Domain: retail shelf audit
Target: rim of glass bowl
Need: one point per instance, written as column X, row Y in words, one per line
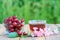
column 37, row 21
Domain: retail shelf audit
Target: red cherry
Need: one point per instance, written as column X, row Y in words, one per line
column 17, row 30
column 10, row 19
column 15, row 20
column 22, row 23
column 19, row 21
column 14, row 24
column 11, row 30
column 19, row 33
column 9, row 22
column 24, row 33
column 22, row 20
column 19, row 25
column 10, row 26
column 14, row 17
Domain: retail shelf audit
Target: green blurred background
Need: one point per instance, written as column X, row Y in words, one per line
column 48, row 10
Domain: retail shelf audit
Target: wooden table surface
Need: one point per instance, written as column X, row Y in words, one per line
column 26, row 28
